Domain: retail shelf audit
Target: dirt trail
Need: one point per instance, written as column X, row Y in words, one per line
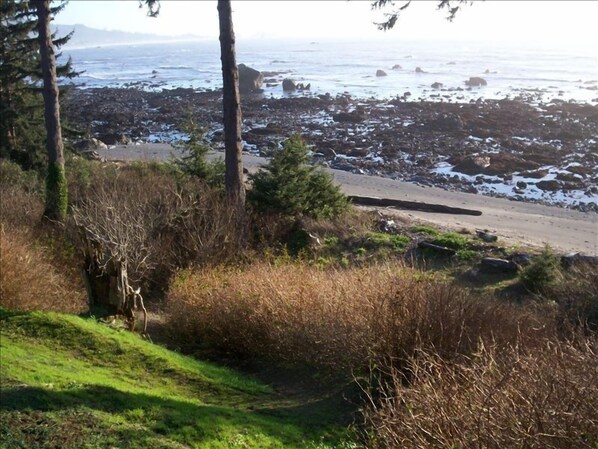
column 564, row 229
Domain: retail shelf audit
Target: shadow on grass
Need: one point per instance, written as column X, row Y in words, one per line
column 181, row 421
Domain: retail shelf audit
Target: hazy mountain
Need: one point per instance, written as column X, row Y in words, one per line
column 89, row 37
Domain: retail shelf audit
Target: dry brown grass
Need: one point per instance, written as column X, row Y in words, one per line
column 339, row 320
column 30, row 278
column 546, row 398
column 576, row 294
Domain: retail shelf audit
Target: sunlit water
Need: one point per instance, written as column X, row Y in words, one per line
column 337, row 67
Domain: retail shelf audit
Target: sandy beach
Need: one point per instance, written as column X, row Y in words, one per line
column 513, row 221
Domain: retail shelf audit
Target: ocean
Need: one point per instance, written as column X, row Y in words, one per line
column 337, row 67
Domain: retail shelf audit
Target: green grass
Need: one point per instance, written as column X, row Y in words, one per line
column 70, row 382
column 452, row 240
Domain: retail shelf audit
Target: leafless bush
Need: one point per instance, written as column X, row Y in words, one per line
column 339, row 320
column 31, row 280
column 495, row 398
column 154, row 223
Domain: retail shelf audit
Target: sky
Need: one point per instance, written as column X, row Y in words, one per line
column 555, row 22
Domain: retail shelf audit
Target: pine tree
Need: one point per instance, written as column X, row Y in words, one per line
column 21, row 104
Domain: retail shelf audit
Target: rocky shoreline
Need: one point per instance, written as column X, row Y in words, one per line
column 539, row 152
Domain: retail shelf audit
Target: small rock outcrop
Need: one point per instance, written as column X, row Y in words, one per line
column 396, row 67
column 490, row 265
column 380, row 72
column 288, row 85
column 419, row 70
column 550, row 186
column 476, row 81
column 472, row 165
column 250, row 80
column 348, row 117
column 437, row 85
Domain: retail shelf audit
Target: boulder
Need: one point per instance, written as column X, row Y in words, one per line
column 92, row 144
column 550, row 186
column 490, row 265
column 396, row 67
column 486, row 236
column 570, row 260
column 472, row 165
column 476, row 81
column 380, row 73
column 250, row 80
column 288, row 85
column 419, row 70
column 445, row 123
column 521, row 185
column 114, row 138
column 437, row 85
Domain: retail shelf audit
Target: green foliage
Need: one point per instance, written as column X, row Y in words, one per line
column 56, row 193
column 121, row 391
column 22, row 130
column 466, row 254
column 12, row 175
column 426, row 230
column 376, row 240
column 194, row 162
column 543, row 272
column 290, row 185
column 452, row 240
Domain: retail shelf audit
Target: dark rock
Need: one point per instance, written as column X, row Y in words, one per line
column 419, row 70
column 269, row 129
column 288, row 85
column 381, row 73
column 250, row 80
column 490, row 265
column 396, row 67
column 551, row 186
column 90, row 145
column 437, row 85
column 573, row 259
column 476, row 81
column 114, row 138
column 472, row 165
column 521, row 185
column 348, row 117
column 568, row 177
column 486, row 236
column 446, row 123
column 521, row 259
column 537, row 174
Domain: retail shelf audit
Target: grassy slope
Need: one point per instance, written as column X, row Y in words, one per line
column 70, row 382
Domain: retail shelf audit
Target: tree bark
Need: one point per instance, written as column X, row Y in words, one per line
column 231, row 100
column 56, row 188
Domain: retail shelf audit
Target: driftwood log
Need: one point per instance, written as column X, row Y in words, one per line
column 411, row 205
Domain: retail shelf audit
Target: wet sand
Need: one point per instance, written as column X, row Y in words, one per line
column 515, row 222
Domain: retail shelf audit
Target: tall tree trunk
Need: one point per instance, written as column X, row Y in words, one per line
column 56, row 187
column 235, row 188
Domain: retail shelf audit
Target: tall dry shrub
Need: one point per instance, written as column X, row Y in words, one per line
column 339, row 320
column 156, row 222
column 31, row 280
column 576, row 294
column 545, row 398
